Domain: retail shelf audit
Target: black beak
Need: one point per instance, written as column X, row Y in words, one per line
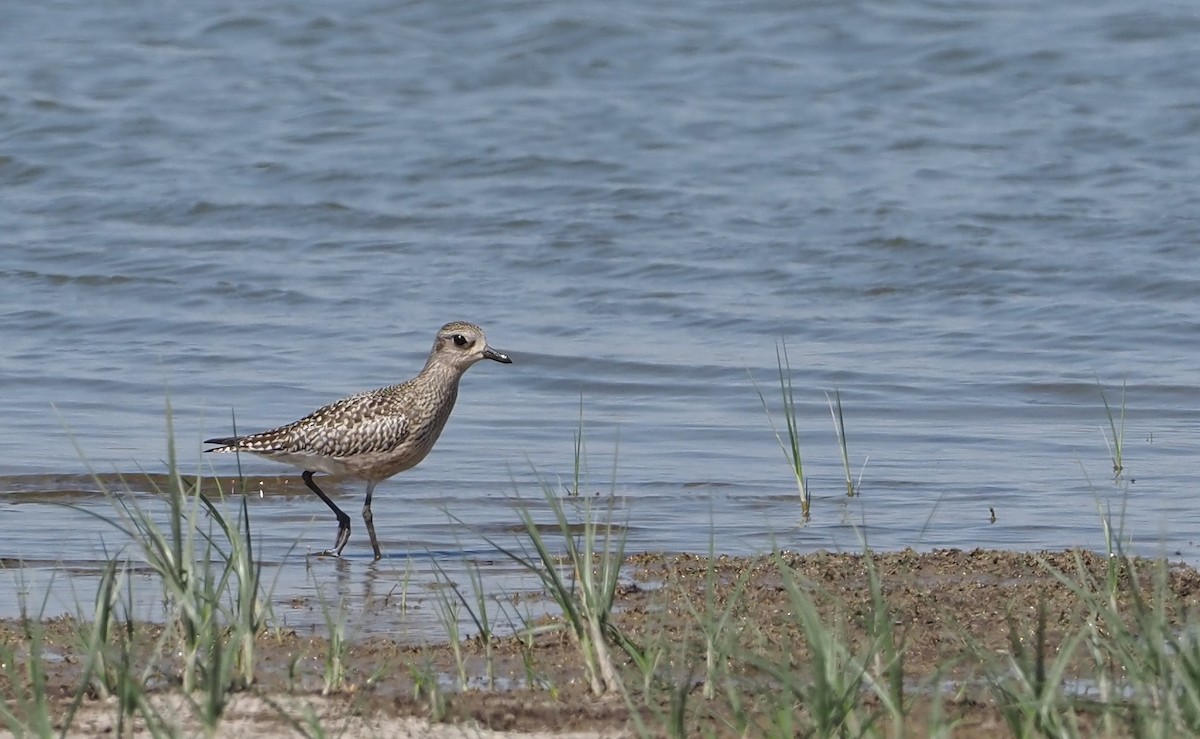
column 500, row 357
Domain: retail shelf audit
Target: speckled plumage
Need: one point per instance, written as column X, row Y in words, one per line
column 376, row 434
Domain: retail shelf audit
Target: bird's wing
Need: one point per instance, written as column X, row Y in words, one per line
column 358, row 424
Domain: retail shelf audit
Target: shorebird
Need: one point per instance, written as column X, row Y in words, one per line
column 374, row 435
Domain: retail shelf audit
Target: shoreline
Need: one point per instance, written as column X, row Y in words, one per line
column 958, row 621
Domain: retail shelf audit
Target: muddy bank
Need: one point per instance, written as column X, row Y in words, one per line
column 955, row 616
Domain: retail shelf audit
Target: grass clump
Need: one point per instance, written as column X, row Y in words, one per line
column 844, row 686
column 215, row 605
column 451, row 600
column 790, row 448
column 582, row 583
column 1116, row 426
column 337, row 646
column 839, row 428
column 212, row 587
column 26, row 712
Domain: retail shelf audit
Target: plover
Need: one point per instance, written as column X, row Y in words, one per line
column 374, row 435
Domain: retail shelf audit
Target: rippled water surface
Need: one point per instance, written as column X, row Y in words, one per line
column 968, row 219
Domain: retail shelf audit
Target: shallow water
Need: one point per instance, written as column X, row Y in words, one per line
column 967, row 219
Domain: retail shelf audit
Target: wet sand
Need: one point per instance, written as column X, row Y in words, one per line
column 947, row 607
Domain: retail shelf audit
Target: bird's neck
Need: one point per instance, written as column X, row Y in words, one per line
column 441, row 372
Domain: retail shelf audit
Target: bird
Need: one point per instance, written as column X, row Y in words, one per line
column 376, row 434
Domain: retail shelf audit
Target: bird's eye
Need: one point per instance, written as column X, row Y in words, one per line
column 460, row 340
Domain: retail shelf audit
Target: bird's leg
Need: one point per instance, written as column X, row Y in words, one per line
column 369, row 519
column 343, row 534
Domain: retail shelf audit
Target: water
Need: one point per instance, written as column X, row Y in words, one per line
column 966, row 218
